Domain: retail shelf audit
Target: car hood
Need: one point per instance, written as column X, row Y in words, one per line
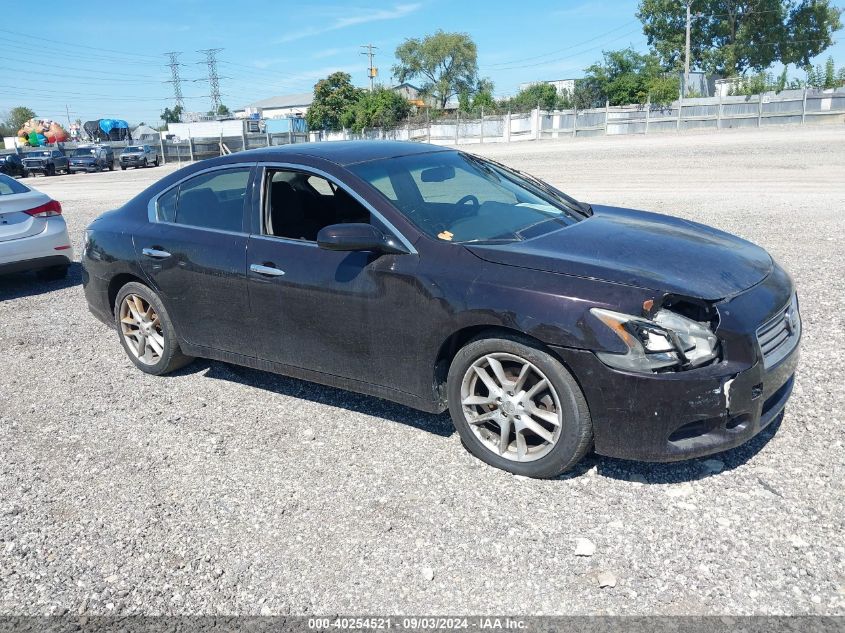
column 647, row 250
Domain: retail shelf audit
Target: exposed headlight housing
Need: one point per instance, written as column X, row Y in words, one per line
column 665, row 342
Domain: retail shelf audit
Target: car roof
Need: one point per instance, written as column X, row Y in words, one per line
column 344, row 152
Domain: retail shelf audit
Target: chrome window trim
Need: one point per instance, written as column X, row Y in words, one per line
column 152, row 215
column 333, row 179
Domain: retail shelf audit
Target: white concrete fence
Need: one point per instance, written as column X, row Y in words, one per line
column 786, row 107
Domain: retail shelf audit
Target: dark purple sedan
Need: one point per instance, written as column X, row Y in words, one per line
column 437, row 279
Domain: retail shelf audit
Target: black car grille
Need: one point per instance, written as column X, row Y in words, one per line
column 33, row 163
column 779, row 336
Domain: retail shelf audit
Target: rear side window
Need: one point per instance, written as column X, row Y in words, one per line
column 9, row 186
column 214, row 200
column 166, row 206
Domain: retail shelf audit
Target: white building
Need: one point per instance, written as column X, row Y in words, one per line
column 277, row 107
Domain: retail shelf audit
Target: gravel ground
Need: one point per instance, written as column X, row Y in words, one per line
column 222, row 490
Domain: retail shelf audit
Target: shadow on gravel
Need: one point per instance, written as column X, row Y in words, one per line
column 437, row 424
column 689, row 470
column 19, row 285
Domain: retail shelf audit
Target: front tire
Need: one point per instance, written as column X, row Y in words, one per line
column 146, row 331
column 517, row 408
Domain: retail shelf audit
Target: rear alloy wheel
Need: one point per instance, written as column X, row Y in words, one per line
column 517, row 408
column 146, row 331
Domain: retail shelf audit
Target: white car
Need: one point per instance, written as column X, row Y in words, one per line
column 33, row 233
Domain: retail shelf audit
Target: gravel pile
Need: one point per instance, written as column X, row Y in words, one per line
column 223, row 490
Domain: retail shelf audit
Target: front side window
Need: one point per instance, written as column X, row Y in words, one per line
column 457, row 197
column 214, row 200
column 297, row 205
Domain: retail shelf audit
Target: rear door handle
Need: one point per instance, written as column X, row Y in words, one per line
column 155, row 253
column 267, row 271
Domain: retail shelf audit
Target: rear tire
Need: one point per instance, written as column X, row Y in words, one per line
column 51, row 170
column 140, row 314
column 535, row 398
column 54, row 273
column 155, row 162
column 123, row 167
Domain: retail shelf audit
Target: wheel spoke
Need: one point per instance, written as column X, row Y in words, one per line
column 488, row 381
column 134, row 312
column 546, row 416
column 504, row 435
column 537, row 388
column 139, row 305
column 537, row 429
column 498, row 371
column 142, row 345
column 472, row 400
column 155, row 344
column 520, row 380
column 521, row 446
column 484, row 417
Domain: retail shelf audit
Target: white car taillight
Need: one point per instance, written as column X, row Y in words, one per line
column 46, row 210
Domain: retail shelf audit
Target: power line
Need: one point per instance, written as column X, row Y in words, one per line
column 175, row 79
column 213, row 78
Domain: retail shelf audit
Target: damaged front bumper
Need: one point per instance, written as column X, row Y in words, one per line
column 669, row 417
column 685, row 414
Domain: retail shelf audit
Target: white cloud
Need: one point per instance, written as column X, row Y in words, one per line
column 366, row 16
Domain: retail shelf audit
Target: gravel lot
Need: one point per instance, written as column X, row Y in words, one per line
column 223, row 490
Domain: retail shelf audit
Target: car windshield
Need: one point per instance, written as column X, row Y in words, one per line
column 135, row 148
column 10, row 186
column 457, row 197
column 84, row 151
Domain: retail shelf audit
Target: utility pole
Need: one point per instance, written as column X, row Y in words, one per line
column 213, row 78
column 176, row 80
column 67, row 112
column 686, row 57
column 372, row 71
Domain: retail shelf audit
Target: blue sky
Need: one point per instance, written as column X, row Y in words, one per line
column 100, row 62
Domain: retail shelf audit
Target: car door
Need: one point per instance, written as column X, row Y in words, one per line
column 193, row 250
column 322, row 310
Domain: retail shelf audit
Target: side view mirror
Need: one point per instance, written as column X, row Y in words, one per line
column 357, row 237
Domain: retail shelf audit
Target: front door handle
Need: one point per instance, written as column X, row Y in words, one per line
column 267, row 271
column 155, row 253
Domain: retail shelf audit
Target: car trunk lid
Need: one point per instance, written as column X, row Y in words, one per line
column 15, row 224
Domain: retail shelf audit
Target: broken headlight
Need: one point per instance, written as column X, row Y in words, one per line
column 666, row 341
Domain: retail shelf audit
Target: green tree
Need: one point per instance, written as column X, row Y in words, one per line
column 483, row 97
column 223, row 110
column 626, row 76
column 542, row 94
column 332, row 97
column 729, row 37
column 18, row 116
column 382, row 108
column 447, row 63
column 172, row 116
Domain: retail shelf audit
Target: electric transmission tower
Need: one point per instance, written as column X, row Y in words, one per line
column 176, row 80
column 213, row 78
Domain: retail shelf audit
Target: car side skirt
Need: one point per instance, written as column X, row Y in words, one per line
column 348, row 384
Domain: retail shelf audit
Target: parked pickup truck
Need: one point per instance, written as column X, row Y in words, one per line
column 139, row 156
column 46, row 161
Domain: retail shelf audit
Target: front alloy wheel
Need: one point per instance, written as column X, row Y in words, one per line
column 517, row 407
column 511, row 407
column 141, row 328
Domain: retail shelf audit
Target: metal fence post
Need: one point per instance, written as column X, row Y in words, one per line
column 482, row 125
column 647, row 113
column 506, row 128
column 759, row 109
column 161, row 142
column 719, row 113
column 457, row 124
column 575, row 122
column 537, row 122
column 191, row 148
column 267, row 136
column 680, row 108
column 606, row 115
column 804, row 107
column 243, row 140
column 428, row 126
